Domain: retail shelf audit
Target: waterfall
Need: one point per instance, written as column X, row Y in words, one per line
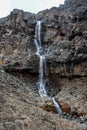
column 57, row 106
column 38, row 33
column 42, row 66
column 37, row 41
column 42, row 90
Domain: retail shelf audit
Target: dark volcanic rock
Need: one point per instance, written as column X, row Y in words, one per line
column 17, row 41
column 21, row 63
column 74, row 5
column 63, row 36
column 66, row 34
column 17, row 32
column 64, row 42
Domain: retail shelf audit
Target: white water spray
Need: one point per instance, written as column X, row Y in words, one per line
column 38, row 33
column 42, row 66
column 41, row 86
column 57, row 106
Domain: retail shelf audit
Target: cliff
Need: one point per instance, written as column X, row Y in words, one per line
column 64, row 41
column 64, row 38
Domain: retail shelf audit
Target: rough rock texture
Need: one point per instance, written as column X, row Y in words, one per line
column 19, row 109
column 17, row 40
column 66, row 34
column 74, row 5
column 63, row 35
column 64, row 42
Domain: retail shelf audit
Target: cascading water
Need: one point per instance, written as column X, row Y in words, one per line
column 57, row 106
column 42, row 66
column 38, row 33
column 41, row 86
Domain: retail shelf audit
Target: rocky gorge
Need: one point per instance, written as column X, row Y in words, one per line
column 64, row 42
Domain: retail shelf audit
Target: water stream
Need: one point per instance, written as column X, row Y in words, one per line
column 41, row 85
column 42, row 67
column 57, row 106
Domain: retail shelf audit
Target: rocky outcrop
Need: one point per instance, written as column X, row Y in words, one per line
column 64, row 42
column 66, row 34
column 21, row 63
column 63, row 36
column 74, row 5
column 17, row 42
column 19, row 108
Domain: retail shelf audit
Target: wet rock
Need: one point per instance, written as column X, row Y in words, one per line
column 49, row 108
column 65, row 107
column 47, row 105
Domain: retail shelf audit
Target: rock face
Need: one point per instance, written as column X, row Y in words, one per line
column 63, row 36
column 20, row 110
column 66, row 34
column 16, row 39
column 74, row 5
column 64, row 42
